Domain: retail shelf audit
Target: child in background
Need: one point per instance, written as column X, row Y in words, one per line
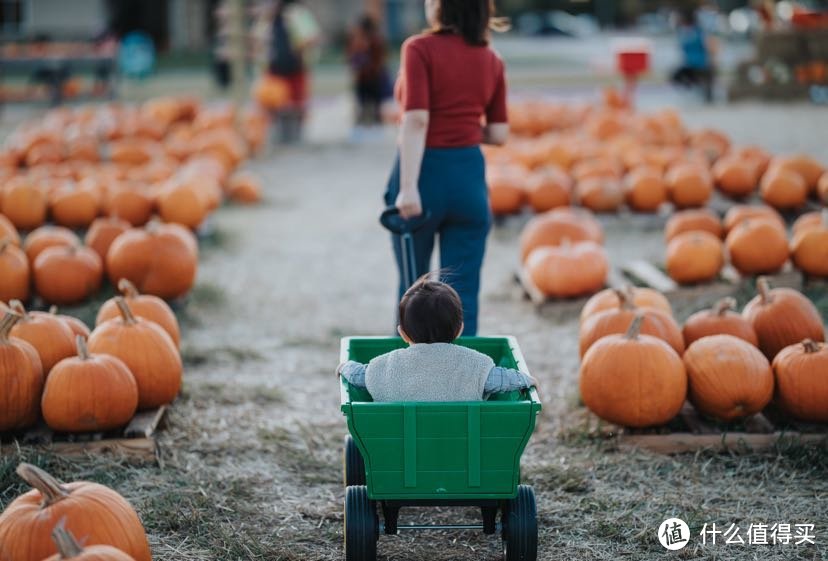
column 432, row 368
column 367, row 55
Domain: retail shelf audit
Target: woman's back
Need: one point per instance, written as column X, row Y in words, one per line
column 456, row 82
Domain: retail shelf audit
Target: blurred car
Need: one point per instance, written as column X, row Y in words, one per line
column 556, row 23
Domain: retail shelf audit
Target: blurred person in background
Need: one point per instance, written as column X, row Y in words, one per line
column 220, row 50
column 367, row 53
column 698, row 51
column 295, row 34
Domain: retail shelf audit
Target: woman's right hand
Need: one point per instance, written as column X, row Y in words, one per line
column 409, row 204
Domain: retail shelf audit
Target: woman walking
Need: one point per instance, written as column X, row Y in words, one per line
column 452, row 90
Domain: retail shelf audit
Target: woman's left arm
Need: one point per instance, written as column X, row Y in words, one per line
column 496, row 129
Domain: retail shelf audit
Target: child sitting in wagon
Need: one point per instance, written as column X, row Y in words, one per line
column 431, row 368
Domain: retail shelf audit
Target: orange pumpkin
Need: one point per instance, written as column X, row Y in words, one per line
column 103, row 232
column 147, row 350
column 617, row 368
column 739, row 213
column 20, row 370
column 729, row 378
column 783, row 189
column 49, row 336
column 710, row 142
column 822, row 188
column 806, row 222
column 7, row 229
column 67, row 275
column 782, row 317
column 759, row 157
column 809, row 248
column 14, row 272
column 89, row 393
column 76, row 326
column 551, row 228
column 75, row 206
column 757, row 247
column 600, row 194
column 610, row 322
column 801, row 383
column 161, row 259
column 547, row 188
column 180, row 203
column 614, row 299
column 96, row 512
column 735, row 177
column 45, row 237
column 271, row 92
column 809, row 169
column 69, row 548
column 507, row 194
column 568, row 270
column 145, row 306
column 645, row 189
column 23, row 204
column 695, row 220
column 719, row 320
column 131, row 202
column 688, row 185
column 134, row 151
column 244, row 187
column 694, row 257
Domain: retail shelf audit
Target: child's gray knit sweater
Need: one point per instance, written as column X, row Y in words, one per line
column 433, row 372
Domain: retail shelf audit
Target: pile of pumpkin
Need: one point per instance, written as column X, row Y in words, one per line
column 755, row 243
column 638, row 366
column 82, row 381
column 603, row 156
column 79, row 520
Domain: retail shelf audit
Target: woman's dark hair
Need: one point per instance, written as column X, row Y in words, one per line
column 431, row 312
column 471, row 19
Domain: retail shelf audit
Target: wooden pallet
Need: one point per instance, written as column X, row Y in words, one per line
column 136, row 442
column 690, row 432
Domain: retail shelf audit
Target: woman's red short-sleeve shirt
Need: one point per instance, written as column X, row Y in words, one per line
column 459, row 84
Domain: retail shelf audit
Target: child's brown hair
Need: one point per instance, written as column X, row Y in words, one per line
column 431, row 312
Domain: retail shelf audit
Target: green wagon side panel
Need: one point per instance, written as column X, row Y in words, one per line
column 446, row 450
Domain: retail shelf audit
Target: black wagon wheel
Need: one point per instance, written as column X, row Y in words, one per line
column 353, row 465
column 520, row 527
column 361, row 525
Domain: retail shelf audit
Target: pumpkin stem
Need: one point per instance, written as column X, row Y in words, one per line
column 49, row 487
column 53, row 310
column 127, row 288
column 635, row 327
column 625, row 298
column 126, row 312
column 67, row 546
column 763, row 286
column 810, row 346
column 723, row 306
column 17, row 307
column 6, row 324
column 83, row 350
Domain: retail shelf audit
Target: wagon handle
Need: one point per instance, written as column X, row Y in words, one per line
column 391, row 221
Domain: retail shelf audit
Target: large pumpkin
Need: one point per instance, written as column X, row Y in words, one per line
column 46, row 237
column 645, row 189
column 96, row 514
column 782, row 317
column 613, row 299
column 21, row 377
column 729, row 378
column 694, row 220
column 507, row 193
column 757, row 247
column 89, row 393
column 805, row 166
column 7, row 229
column 103, row 232
column 271, row 92
column 741, row 213
column 807, row 221
column 633, row 380
column 801, row 372
column 689, row 185
column 147, row 350
column 14, row 272
column 551, row 228
column 719, row 320
column 76, row 326
column 129, row 201
column 694, row 257
column 735, row 177
column 146, row 306
column 75, row 205
column 24, row 204
column 600, row 194
column 50, row 336
column 67, row 275
column 547, row 188
column 612, row 322
column 809, row 248
column 179, row 202
column 783, row 189
column 569, row 269
column 69, row 548
column 161, row 259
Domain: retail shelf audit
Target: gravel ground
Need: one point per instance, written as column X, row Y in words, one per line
column 251, row 456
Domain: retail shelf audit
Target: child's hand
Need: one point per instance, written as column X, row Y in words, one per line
column 338, row 372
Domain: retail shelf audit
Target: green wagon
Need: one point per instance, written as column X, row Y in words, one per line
column 437, row 454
